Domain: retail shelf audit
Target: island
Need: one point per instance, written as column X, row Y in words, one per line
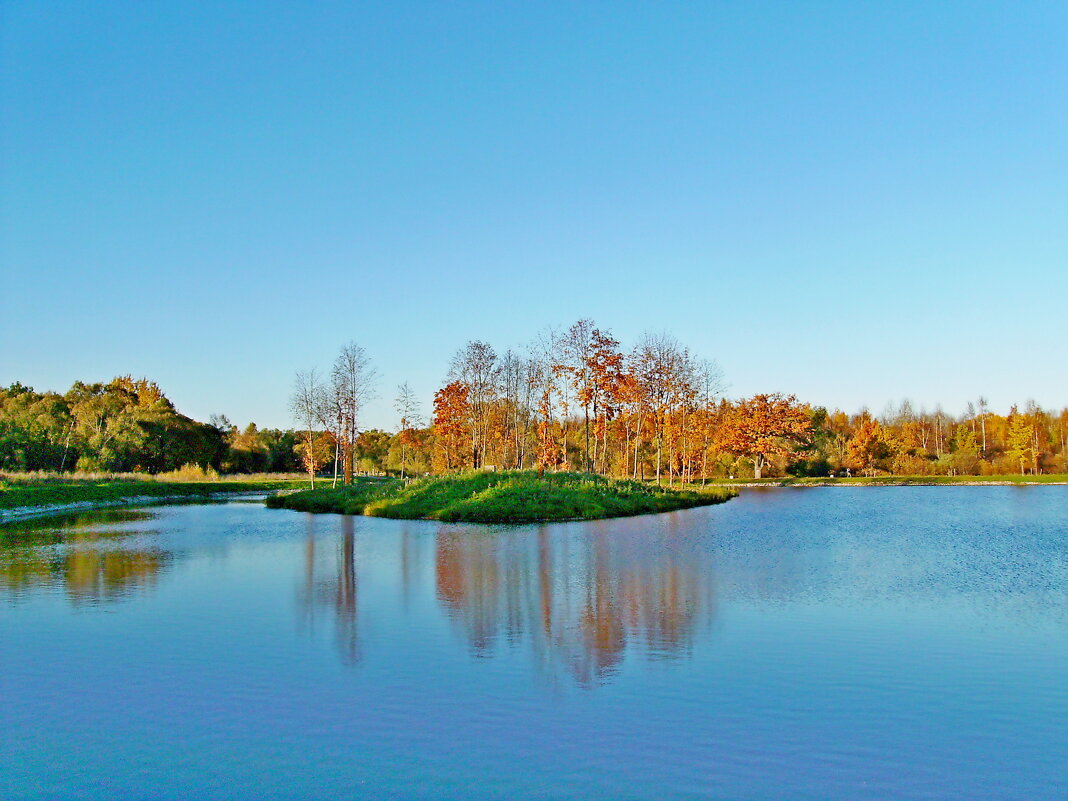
column 519, row 496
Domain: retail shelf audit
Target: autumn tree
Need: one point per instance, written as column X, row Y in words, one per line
column 475, row 367
column 577, row 350
column 548, row 388
column 661, row 367
column 407, row 406
column 605, row 364
column 309, row 404
column 766, row 427
column 519, row 378
column 452, row 420
column 966, row 450
column 710, row 387
column 1020, row 447
column 870, row 443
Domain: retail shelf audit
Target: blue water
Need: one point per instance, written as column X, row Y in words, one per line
column 866, row 643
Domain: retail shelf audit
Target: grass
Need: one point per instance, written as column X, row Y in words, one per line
column 506, row 497
column 343, row 500
column 20, row 491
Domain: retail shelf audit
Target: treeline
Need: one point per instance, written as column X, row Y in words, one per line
column 906, row 441
column 573, row 400
column 576, row 400
column 128, row 425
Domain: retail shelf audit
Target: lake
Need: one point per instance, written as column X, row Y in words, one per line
column 853, row 643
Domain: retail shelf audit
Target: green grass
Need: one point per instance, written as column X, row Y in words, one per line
column 344, row 500
column 506, row 497
column 20, row 494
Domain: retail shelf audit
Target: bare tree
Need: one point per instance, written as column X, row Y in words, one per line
column 352, row 382
column 475, row 366
column 661, row 367
column 308, row 404
column 711, row 387
column 576, row 348
column 984, row 409
column 408, row 407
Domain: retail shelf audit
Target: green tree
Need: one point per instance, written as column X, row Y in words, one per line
column 1019, row 445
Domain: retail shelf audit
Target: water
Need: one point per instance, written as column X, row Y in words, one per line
column 826, row 643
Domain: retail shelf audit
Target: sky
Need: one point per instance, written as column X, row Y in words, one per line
column 852, row 202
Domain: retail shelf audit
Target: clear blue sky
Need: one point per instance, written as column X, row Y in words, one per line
column 854, row 202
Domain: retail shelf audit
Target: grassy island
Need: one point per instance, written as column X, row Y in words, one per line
column 506, row 497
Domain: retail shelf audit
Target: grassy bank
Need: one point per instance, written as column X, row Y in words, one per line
column 22, row 493
column 508, row 497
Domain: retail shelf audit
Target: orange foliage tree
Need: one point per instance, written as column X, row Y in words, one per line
column 765, row 427
column 452, row 415
column 870, row 444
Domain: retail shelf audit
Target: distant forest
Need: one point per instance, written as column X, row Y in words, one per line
column 574, row 400
column 128, row 425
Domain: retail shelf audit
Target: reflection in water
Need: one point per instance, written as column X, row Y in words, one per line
column 81, row 554
column 868, row 644
column 333, row 588
column 577, row 601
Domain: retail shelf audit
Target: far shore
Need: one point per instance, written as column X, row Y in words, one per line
column 32, row 501
column 27, row 512
column 29, row 499
column 1060, row 479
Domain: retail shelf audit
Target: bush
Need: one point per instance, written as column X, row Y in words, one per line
column 190, row 472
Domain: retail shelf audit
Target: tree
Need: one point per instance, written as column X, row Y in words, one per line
column 984, row 410
column 664, row 374
column 709, row 389
column 577, row 350
column 871, row 443
column 475, row 366
column 452, row 417
column 519, row 380
column 314, row 451
column 372, row 448
column 310, row 406
column 765, row 427
column 1020, row 448
column 605, row 365
column 407, row 406
column 353, row 380
column 966, row 452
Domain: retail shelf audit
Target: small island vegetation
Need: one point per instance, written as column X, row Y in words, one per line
column 501, row 497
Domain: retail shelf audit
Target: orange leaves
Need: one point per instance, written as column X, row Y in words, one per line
column 452, row 414
column 871, row 442
column 766, row 427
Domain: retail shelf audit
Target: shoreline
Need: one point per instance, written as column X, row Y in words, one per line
column 891, row 482
column 16, row 514
column 47, row 510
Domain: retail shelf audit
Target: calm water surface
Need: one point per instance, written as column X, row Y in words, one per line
column 902, row 642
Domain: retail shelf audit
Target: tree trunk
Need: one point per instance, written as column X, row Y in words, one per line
column 659, row 450
column 586, row 414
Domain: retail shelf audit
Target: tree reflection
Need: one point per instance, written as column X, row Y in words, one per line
column 80, row 555
column 334, row 587
column 580, row 598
